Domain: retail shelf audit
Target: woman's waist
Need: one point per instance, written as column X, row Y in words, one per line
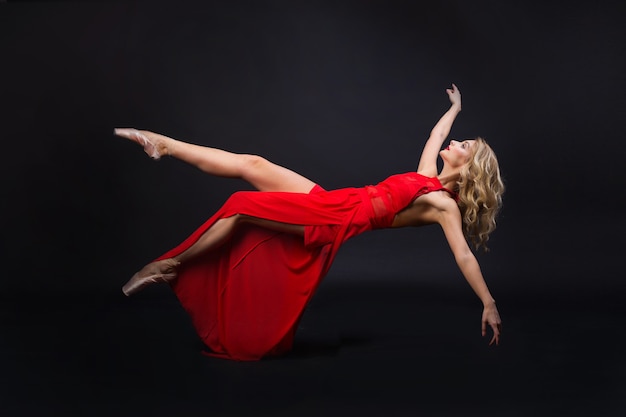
column 378, row 206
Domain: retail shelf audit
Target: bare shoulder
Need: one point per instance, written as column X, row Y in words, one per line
column 439, row 200
column 448, row 211
column 429, row 208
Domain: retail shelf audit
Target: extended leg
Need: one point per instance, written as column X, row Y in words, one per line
column 258, row 171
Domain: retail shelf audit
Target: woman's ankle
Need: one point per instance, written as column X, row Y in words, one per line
column 162, row 143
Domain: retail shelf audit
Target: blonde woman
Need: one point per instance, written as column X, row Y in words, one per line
column 246, row 275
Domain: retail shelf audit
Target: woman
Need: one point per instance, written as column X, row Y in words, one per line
column 247, row 274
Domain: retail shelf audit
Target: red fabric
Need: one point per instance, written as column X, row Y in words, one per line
column 246, row 297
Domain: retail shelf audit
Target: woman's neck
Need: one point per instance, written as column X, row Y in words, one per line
column 449, row 177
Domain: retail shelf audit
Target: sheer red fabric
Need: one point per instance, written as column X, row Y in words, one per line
column 246, row 297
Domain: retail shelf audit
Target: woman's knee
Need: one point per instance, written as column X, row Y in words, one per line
column 252, row 164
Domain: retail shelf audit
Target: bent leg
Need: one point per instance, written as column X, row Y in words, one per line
column 258, row 171
column 165, row 270
column 219, row 233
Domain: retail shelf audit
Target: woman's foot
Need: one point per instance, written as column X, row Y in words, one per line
column 159, row 271
column 153, row 144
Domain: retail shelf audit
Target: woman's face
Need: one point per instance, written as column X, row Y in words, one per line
column 458, row 153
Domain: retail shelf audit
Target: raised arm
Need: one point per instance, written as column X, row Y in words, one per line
column 428, row 161
column 450, row 221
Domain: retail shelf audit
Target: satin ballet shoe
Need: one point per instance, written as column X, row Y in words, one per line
column 149, row 147
column 153, row 273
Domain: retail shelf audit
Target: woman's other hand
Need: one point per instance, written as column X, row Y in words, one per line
column 455, row 95
column 492, row 318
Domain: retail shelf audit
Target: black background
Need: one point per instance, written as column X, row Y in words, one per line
column 344, row 92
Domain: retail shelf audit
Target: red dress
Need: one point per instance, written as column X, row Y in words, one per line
column 246, row 297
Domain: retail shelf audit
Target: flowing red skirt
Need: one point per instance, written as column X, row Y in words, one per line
column 246, row 297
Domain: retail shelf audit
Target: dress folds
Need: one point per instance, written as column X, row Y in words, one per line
column 246, row 297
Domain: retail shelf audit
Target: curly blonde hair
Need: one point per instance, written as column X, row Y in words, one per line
column 480, row 189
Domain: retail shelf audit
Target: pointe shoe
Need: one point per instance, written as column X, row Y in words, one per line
column 149, row 147
column 155, row 272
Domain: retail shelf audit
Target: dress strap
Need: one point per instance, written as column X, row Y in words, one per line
column 453, row 194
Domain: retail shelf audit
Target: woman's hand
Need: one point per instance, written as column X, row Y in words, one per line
column 492, row 318
column 455, row 96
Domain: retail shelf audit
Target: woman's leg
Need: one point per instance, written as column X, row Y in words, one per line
column 262, row 174
column 165, row 270
column 258, row 171
column 219, row 233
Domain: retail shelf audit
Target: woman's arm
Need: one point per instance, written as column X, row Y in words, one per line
column 428, row 160
column 450, row 221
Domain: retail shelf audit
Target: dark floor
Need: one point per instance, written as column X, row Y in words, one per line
column 369, row 349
